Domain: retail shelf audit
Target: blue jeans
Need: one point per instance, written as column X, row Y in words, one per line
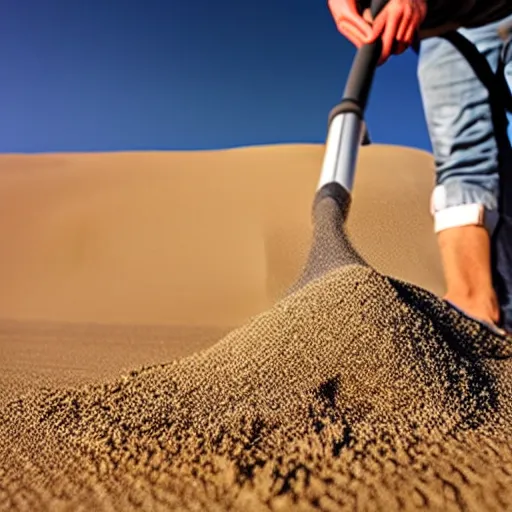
column 471, row 170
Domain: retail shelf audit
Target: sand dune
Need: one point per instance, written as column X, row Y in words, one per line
column 204, row 238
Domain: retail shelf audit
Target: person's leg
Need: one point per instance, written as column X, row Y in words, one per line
column 466, row 258
column 502, row 239
column 465, row 200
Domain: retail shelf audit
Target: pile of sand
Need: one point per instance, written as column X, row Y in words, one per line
column 355, row 392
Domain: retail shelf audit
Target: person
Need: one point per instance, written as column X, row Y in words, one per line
column 467, row 196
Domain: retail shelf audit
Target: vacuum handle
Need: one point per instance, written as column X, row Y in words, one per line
column 377, row 6
column 364, row 65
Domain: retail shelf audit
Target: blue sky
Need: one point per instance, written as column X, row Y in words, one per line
column 107, row 75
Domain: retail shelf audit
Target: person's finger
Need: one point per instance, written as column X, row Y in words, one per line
column 359, row 26
column 345, row 14
column 388, row 36
column 367, row 16
column 378, row 27
column 418, row 16
column 353, row 30
column 407, row 19
column 379, row 24
column 412, row 29
column 352, row 34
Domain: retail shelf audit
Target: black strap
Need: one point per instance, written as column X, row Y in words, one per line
column 502, row 78
column 500, row 96
column 495, row 83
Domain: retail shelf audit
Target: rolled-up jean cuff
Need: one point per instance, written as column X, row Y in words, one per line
column 456, row 204
column 465, row 215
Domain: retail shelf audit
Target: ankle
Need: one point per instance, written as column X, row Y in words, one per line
column 481, row 304
column 466, row 257
column 467, row 292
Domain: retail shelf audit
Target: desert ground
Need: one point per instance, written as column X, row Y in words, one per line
column 144, row 316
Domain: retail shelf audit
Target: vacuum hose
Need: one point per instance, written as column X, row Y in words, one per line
column 331, row 247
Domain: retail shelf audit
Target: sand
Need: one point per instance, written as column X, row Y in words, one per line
column 355, row 391
column 206, row 238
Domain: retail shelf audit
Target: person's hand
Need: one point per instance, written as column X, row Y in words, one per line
column 396, row 24
column 350, row 23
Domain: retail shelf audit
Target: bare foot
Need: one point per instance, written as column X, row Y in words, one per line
column 484, row 309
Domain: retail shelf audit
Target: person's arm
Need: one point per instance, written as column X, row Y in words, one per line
column 396, row 24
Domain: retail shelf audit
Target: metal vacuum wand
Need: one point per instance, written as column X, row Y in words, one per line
column 346, row 122
column 331, row 248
